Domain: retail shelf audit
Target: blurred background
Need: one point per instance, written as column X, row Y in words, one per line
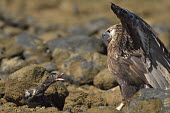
column 70, row 13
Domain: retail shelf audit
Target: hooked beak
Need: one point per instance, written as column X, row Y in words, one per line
column 59, row 77
column 106, row 36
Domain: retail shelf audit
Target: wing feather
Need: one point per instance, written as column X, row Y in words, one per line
column 134, row 69
column 156, row 56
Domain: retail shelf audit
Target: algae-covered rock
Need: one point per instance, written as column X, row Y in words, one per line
column 12, row 31
column 36, row 57
column 150, row 101
column 103, row 109
column 57, row 93
column 12, row 64
column 79, row 101
column 80, row 70
column 82, row 67
column 12, row 108
column 54, row 96
column 104, row 80
column 21, row 80
column 113, row 97
column 60, row 55
column 86, row 97
column 147, row 106
column 9, row 48
column 2, row 88
column 49, row 66
column 30, row 77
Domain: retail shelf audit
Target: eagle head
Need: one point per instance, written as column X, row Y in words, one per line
column 111, row 33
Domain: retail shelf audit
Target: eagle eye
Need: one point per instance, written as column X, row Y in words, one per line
column 109, row 30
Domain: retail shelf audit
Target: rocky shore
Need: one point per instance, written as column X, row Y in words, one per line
column 30, row 52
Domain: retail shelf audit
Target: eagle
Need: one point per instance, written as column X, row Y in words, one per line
column 136, row 56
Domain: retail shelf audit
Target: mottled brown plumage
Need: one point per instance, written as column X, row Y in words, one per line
column 136, row 56
column 125, row 63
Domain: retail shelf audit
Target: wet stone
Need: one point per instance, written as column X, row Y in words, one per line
column 28, row 41
column 78, row 43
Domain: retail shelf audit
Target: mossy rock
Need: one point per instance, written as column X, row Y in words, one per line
column 18, row 82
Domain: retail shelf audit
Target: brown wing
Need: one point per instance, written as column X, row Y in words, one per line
column 129, row 73
column 133, row 68
column 130, row 70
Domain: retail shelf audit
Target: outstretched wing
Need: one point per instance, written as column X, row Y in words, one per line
column 156, row 56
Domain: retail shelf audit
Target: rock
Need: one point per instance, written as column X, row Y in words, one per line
column 12, row 64
column 78, row 101
column 15, row 21
column 96, row 25
column 82, row 72
column 81, row 67
column 27, row 78
column 9, row 48
column 3, row 75
column 21, row 80
column 2, row 87
column 103, row 109
column 60, row 55
column 10, row 104
column 49, row 93
column 113, row 97
column 48, row 36
column 104, row 80
column 36, row 57
column 1, row 51
column 29, row 20
column 53, row 34
column 57, row 93
column 150, row 100
column 88, row 97
column 50, row 66
column 2, row 24
column 90, row 28
column 28, row 41
column 78, row 44
column 12, row 31
column 77, row 30
column 46, row 27
column 24, row 109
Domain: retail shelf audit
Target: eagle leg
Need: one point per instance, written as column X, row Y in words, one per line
column 127, row 92
column 122, row 104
